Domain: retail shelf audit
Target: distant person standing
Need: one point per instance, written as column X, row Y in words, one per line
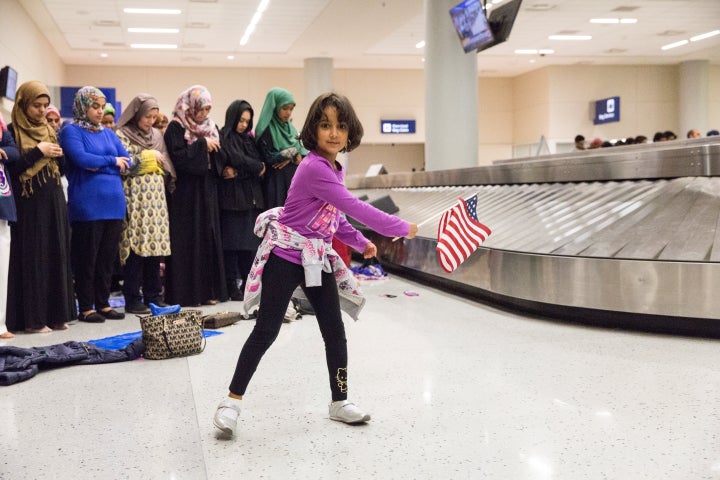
column 40, row 295
column 8, row 154
column 108, row 119
column 241, row 197
column 145, row 238
column 194, row 273
column 277, row 140
column 579, row 142
column 96, row 202
column 694, row 133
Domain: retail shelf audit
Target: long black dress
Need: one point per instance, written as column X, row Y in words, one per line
column 276, row 182
column 241, row 197
column 40, row 291
column 194, row 273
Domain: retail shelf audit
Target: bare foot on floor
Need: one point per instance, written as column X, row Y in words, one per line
column 7, row 335
column 39, row 330
column 63, row 326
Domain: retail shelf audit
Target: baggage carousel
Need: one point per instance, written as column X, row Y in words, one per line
column 623, row 237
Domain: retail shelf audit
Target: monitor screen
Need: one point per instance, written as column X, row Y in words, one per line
column 8, row 83
column 471, row 25
column 502, row 19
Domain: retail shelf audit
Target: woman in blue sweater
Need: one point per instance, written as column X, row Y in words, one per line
column 96, row 203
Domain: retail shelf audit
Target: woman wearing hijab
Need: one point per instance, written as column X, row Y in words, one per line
column 96, row 203
column 241, row 198
column 52, row 115
column 40, row 295
column 194, row 273
column 277, row 140
column 145, row 238
column 8, row 213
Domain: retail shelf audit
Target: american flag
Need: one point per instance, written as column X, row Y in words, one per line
column 459, row 233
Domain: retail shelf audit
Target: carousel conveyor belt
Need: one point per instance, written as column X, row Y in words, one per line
column 598, row 243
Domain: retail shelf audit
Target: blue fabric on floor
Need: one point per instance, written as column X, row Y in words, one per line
column 118, row 342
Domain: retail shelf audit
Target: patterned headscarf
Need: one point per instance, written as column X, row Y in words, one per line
column 189, row 103
column 28, row 133
column 85, row 97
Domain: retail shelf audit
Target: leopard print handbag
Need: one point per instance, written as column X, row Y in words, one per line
column 172, row 335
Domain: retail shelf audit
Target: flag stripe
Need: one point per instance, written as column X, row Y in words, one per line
column 459, row 234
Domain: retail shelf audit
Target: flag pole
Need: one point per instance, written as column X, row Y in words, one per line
column 425, row 221
column 419, row 225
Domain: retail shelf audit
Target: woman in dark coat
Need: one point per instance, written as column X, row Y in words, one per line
column 278, row 142
column 195, row 270
column 40, row 292
column 241, row 198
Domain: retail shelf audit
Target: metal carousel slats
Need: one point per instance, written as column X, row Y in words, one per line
column 633, row 230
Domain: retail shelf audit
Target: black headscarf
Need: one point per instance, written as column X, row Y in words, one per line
column 232, row 118
column 235, row 144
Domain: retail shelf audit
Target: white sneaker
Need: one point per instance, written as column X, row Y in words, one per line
column 344, row 411
column 226, row 416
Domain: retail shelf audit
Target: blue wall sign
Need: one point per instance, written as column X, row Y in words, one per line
column 607, row 110
column 397, row 126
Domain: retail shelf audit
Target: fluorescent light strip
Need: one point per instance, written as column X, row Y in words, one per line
column 570, row 37
column 674, row 45
column 703, row 36
column 153, row 11
column 614, row 20
column 254, row 21
column 533, row 51
column 156, row 46
column 420, row 44
column 153, row 30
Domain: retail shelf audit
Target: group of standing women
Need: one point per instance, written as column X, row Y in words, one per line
column 190, row 196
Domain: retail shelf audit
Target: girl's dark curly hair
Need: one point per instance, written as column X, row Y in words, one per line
column 345, row 113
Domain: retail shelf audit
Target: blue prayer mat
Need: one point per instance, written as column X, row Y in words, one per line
column 121, row 341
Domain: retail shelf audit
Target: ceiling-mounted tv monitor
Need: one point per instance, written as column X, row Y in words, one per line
column 471, row 25
column 8, row 83
column 502, row 19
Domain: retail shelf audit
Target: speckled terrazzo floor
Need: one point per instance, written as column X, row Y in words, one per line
column 457, row 390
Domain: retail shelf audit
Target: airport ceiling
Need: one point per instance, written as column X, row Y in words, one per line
column 375, row 34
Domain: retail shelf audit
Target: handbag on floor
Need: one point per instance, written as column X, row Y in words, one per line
column 172, row 335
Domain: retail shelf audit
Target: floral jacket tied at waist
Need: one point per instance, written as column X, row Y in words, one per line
column 317, row 256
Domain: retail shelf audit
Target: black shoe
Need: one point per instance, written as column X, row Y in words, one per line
column 137, row 307
column 112, row 314
column 237, row 296
column 93, row 317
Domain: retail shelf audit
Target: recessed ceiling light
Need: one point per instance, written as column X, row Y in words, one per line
column 103, row 55
column 158, row 46
column 154, row 11
column 231, row 57
column 614, row 20
column 153, row 30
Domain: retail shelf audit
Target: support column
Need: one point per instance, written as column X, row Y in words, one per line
column 318, row 77
column 451, row 93
column 693, row 98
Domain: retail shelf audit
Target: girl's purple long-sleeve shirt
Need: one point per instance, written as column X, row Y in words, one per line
column 316, row 200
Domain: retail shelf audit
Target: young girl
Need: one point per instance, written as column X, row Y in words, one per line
column 296, row 250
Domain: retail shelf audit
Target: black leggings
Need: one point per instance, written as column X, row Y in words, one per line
column 279, row 280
